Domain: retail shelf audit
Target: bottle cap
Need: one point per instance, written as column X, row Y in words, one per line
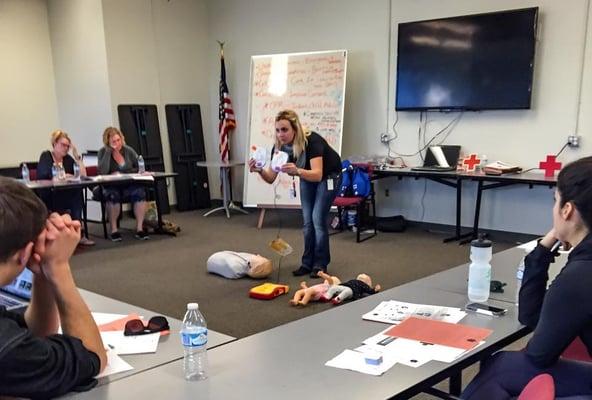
column 481, row 242
column 192, row 306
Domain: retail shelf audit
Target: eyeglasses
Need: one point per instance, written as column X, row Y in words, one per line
column 155, row 324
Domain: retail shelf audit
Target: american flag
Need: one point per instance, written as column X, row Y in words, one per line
column 225, row 112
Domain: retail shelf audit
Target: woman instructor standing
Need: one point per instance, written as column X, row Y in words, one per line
column 318, row 166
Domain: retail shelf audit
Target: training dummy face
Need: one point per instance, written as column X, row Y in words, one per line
column 259, row 267
column 365, row 278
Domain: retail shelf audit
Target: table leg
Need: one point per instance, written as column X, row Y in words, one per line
column 227, row 203
column 475, row 232
column 455, row 384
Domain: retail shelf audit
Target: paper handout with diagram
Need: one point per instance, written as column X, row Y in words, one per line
column 394, row 312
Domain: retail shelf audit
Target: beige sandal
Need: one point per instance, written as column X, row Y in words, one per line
column 84, row 241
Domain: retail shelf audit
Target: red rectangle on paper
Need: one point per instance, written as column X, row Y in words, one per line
column 438, row 332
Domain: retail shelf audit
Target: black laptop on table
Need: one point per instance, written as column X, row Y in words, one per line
column 434, row 161
column 16, row 295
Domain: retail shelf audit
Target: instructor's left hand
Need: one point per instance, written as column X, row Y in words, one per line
column 290, row 169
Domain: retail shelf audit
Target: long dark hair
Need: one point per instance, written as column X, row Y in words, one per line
column 574, row 184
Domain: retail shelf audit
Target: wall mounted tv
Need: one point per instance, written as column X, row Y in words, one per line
column 472, row 62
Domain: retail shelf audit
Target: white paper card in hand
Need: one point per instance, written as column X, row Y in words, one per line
column 279, row 159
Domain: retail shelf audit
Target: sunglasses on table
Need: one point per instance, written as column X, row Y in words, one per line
column 155, row 324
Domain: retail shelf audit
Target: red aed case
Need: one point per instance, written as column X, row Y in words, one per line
column 268, row 291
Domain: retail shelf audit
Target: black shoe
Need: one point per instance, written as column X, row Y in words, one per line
column 315, row 272
column 142, row 235
column 301, row 271
column 116, row 237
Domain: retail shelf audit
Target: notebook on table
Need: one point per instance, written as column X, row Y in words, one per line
column 16, row 295
column 440, row 159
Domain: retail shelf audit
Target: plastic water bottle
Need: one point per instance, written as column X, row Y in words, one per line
column 76, row 171
column 61, row 172
column 141, row 165
column 25, row 173
column 54, row 172
column 519, row 275
column 352, row 216
column 194, row 337
column 480, row 270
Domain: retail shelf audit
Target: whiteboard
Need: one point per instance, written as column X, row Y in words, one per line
column 313, row 85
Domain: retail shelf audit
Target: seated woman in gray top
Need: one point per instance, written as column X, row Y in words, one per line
column 117, row 157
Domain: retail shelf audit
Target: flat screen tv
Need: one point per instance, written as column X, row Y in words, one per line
column 472, row 62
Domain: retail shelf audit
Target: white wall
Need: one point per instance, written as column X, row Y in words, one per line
column 80, row 65
column 522, row 137
column 156, row 54
column 28, row 108
column 265, row 27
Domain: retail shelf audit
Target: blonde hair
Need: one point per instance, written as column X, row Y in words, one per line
column 109, row 133
column 57, row 135
column 300, row 136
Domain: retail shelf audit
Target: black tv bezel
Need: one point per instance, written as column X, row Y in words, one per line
column 469, row 108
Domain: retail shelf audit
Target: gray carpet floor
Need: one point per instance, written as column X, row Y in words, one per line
column 164, row 273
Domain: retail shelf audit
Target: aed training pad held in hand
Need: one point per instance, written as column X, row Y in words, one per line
column 259, row 154
column 279, row 159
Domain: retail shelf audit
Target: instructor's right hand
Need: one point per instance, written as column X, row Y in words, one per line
column 252, row 166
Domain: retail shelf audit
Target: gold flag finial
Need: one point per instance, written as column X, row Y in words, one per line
column 221, row 48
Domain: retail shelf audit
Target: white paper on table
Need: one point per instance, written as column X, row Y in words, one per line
column 137, row 344
column 394, row 312
column 354, row 361
column 143, row 177
column 115, row 365
column 412, row 352
column 529, row 246
column 104, row 318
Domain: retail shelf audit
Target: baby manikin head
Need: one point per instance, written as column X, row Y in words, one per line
column 365, row 278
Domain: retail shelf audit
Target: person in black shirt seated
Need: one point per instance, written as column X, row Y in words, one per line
column 62, row 201
column 559, row 314
column 35, row 361
column 318, row 166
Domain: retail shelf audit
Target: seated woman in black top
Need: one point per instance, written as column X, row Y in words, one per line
column 557, row 315
column 117, row 157
column 62, row 201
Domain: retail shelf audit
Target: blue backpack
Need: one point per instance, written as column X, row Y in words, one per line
column 355, row 180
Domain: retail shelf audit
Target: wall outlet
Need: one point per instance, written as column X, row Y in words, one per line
column 573, row 141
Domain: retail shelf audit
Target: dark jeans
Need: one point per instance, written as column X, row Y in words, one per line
column 67, row 201
column 316, row 199
column 506, row 373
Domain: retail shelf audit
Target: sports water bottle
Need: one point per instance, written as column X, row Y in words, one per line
column 194, row 337
column 480, row 270
column 76, row 171
column 141, row 165
column 25, row 173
